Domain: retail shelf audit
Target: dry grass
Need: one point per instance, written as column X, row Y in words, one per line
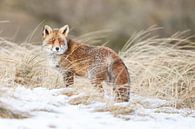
column 162, row 67
column 159, row 67
column 84, row 93
column 117, row 110
column 6, row 112
column 26, row 65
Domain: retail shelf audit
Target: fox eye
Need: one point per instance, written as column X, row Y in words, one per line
column 52, row 40
column 61, row 41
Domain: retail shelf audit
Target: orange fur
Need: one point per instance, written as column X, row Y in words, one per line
column 98, row 64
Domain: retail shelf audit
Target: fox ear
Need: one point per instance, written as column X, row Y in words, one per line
column 64, row 30
column 46, row 30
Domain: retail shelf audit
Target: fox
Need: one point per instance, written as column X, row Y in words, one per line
column 96, row 63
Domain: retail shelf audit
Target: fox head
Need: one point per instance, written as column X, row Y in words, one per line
column 55, row 40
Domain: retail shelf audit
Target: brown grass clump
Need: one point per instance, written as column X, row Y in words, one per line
column 8, row 112
column 162, row 67
column 26, row 65
column 81, row 100
column 85, row 93
column 5, row 112
column 32, row 70
column 70, row 92
column 117, row 110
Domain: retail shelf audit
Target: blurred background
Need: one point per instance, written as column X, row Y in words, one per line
column 21, row 19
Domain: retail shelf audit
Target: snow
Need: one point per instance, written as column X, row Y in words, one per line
column 49, row 109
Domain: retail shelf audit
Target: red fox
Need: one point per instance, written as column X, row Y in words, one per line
column 97, row 63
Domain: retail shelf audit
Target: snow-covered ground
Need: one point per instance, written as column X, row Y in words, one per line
column 49, row 109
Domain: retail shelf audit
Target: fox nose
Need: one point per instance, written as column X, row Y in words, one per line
column 57, row 48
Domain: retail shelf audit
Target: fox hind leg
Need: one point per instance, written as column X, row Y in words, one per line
column 122, row 93
column 119, row 78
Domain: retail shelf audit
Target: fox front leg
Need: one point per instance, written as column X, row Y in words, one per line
column 96, row 81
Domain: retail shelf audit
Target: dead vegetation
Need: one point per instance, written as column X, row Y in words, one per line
column 162, row 67
column 117, row 110
column 25, row 64
column 159, row 67
column 6, row 112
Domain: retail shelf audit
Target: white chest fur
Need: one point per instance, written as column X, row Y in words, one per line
column 53, row 60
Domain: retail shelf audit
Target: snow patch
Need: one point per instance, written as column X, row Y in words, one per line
column 50, row 109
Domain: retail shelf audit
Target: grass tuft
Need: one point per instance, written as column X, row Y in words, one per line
column 5, row 112
column 162, row 67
